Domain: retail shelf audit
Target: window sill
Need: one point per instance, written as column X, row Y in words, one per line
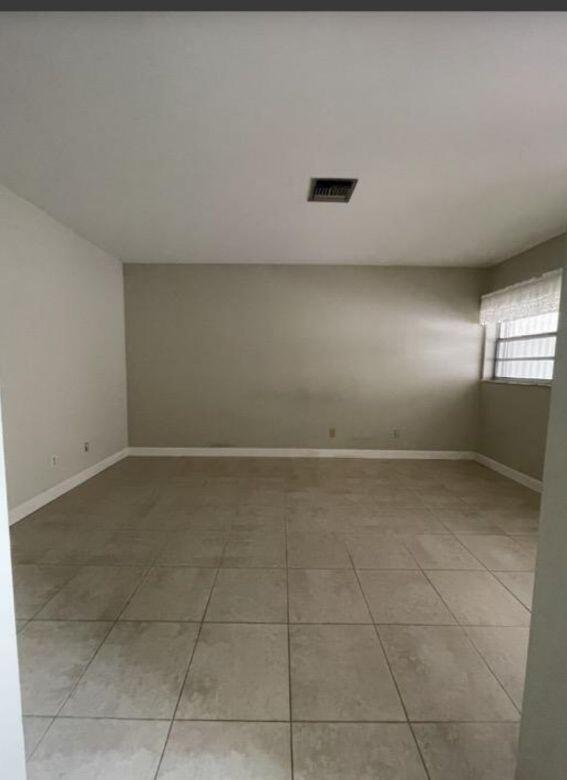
column 526, row 382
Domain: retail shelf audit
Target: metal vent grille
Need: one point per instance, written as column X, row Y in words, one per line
column 331, row 190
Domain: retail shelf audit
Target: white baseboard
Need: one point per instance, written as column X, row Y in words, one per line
column 288, row 452
column 21, row 511
column 506, row 471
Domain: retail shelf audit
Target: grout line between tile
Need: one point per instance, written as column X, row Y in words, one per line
column 292, row 763
column 87, row 666
column 192, row 655
column 394, row 680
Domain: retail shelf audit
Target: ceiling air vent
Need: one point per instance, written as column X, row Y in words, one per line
column 331, row 190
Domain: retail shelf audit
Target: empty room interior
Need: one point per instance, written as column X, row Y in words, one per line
column 284, row 396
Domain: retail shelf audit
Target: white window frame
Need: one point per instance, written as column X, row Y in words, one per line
column 536, row 296
column 499, row 339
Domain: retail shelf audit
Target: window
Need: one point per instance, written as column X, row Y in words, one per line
column 521, row 330
column 525, row 348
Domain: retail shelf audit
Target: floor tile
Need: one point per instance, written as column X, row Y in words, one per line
column 439, row 551
column 238, row 672
column 137, row 673
column 379, row 552
column 259, row 516
column 517, row 522
column 468, row 751
column 52, row 658
column 219, row 751
column 469, row 521
column 339, row 673
column 500, row 553
column 34, row 729
column 96, row 749
column 59, row 545
column 255, row 550
column 316, row 551
column 442, row 677
column 326, row 596
column 126, row 549
column 193, row 549
column 438, row 496
column 403, row 597
column 171, row 593
column 357, row 751
column 520, row 583
column 505, row 650
column 95, row 593
column 249, row 596
column 391, row 521
column 413, row 531
column 476, row 598
column 34, row 585
column 306, row 520
column 529, row 541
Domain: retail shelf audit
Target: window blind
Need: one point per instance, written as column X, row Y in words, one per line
column 527, row 299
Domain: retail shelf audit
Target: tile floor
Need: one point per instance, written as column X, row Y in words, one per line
column 269, row 619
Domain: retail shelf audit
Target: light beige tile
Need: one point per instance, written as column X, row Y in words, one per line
column 219, row 751
column 35, row 584
column 34, row 730
column 250, row 550
column 442, row 677
column 96, row 749
column 171, row 593
column 325, row 596
column 238, row 672
column 389, row 520
column 500, row 553
column 520, row 583
column 316, row 551
column 403, row 597
column 476, row 598
column 357, row 751
column 505, row 650
column 49, row 544
column 95, row 593
column 529, row 541
column 519, row 520
column 137, row 673
column 125, row 549
column 468, row 751
column 53, row 655
column 339, row 673
column 249, row 596
column 190, row 548
column 440, row 551
column 379, row 552
column 467, row 521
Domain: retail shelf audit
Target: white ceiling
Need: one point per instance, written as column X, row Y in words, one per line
column 191, row 137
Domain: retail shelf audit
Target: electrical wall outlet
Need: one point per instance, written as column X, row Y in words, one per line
column 54, row 461
column 332, row 433
column 87, row 446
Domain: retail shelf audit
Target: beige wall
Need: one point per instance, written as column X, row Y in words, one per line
column 513, row 418
column 274, row 356
column 62, row 368
column 536, row 261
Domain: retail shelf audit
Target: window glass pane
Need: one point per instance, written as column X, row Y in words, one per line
column 541, row 323
column 526, row 348
column 524, row 369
